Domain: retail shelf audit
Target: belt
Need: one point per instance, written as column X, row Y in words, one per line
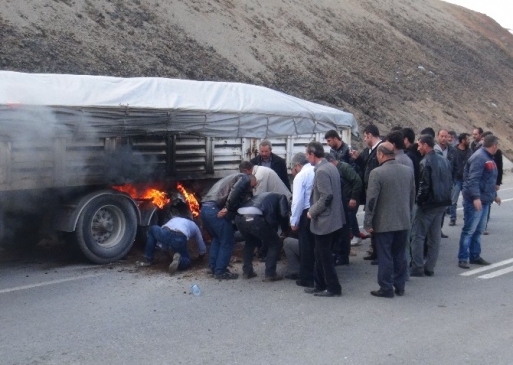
column 173, row 230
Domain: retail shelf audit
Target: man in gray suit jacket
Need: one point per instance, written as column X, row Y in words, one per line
column 390, row 199
column 327, row 218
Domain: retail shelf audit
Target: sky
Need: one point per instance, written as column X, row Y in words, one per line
column 499, row 10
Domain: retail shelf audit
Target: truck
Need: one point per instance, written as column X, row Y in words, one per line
column 71, row 144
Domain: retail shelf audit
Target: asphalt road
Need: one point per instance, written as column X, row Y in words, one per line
column 58, row 310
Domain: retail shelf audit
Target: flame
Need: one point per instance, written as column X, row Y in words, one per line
column 191, row 200
column 159, row 198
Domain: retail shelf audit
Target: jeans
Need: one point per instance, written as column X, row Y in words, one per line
column 473, row 227
column 169, row 240
column 255, row 230
column 426, row 224
column 221, row 230
column 455, row 194
column 391, row 259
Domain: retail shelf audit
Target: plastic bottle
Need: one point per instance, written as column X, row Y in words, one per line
column 195, row 289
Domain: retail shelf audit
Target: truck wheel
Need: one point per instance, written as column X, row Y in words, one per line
column 106, row 229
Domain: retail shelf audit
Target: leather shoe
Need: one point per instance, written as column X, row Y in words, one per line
column 313, row 290
column 463, row 265
column 444, row 235
column 428, row 273
column 327, row 294
column 270, row 279
column 306, row 284
column 382, row 294
column 293, row 276
column 399, row 292
column 370, row 257
column 480, row 261
column 249, row 275
column 419, row 274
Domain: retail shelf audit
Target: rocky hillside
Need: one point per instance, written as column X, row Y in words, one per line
column 390, row 62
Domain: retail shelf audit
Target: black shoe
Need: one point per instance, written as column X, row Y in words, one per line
column 326, row 294
column 269, row 279
column 463, row 265
column 383, row 294
column 306, row 284
column 428, row 273
column 292, row 276
column 399, row 292
column 371, row 257
column 342, row 261
column 227, row 276
column 249, row 275
column 313, row 290
column 480, row 261
column 444, row 235
column 374, row 262
column 452, row 223
column 419, row 274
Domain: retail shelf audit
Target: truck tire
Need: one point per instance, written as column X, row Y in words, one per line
column 106, row 229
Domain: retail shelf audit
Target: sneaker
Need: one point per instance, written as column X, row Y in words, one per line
column 480, row 261
column 143, row 263
column 269, row 279
column 463, row 265
column 249, row 275
column 356, row 241
column 452, row 223
column 209, row 271
column 226, row 276
column 173, row 266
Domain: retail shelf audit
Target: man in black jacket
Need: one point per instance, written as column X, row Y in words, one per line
column 463, row 153
column 258, row 220
column 433, row 196
column 268, row 159
column 413, row 153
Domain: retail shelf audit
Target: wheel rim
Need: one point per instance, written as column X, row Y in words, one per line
column 107, row 226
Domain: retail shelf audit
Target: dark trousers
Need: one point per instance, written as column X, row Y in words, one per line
column 306, row 249
column 342, row 248
column 391, row 259
column 256, row 230
column 325, row 273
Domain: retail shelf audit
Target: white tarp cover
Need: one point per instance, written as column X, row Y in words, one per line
column 151, row 104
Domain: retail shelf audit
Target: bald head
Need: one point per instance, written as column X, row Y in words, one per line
column 385, row 152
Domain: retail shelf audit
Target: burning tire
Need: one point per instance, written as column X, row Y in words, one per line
column 106, row 229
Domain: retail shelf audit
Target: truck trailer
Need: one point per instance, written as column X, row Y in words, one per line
column 69, row 143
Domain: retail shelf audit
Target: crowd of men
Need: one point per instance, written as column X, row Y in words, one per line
column 406, row 186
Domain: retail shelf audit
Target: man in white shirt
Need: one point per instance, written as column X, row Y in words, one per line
column 174, row 235
column 302, row 185
column 267, row 179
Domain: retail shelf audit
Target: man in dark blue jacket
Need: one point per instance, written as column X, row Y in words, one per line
column 258, row 220
column 479, row 179
column 268, row 159
column 433, row 196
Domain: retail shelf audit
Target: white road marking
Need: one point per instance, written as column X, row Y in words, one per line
column 497, row 273
column 24, row 287
column 486, row 268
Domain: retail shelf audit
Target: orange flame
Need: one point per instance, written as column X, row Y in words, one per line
column 191, row 200
column 159, row 198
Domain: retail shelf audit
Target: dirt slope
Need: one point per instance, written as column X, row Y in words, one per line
column 390, row 62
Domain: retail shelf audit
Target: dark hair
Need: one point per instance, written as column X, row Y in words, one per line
column 396, row 128
column 315, row 148
column 462, row 137
column 479, row 129
column 453, row 134
column 371, row 129
column 429, row 131
column 490, row 140
column 397, row 139
column 427, row 139
column 409, row 134
column 332, row 134
column 245, row 165
column 484, row 134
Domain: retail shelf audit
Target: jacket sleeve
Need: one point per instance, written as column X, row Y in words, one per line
column 323, row 186
column 353, row 179
column 282, row 173
column 424, row 184
column 373, row 190
column 473, row 178
column 237, row 192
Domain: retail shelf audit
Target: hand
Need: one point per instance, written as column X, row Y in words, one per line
column 498, row 200
column 352, row 203
column 294, row 228
column 308, row 215
column 354, row 154
column 222, row 213
column 497, row 187
column 370, row 230
column 477, row 205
